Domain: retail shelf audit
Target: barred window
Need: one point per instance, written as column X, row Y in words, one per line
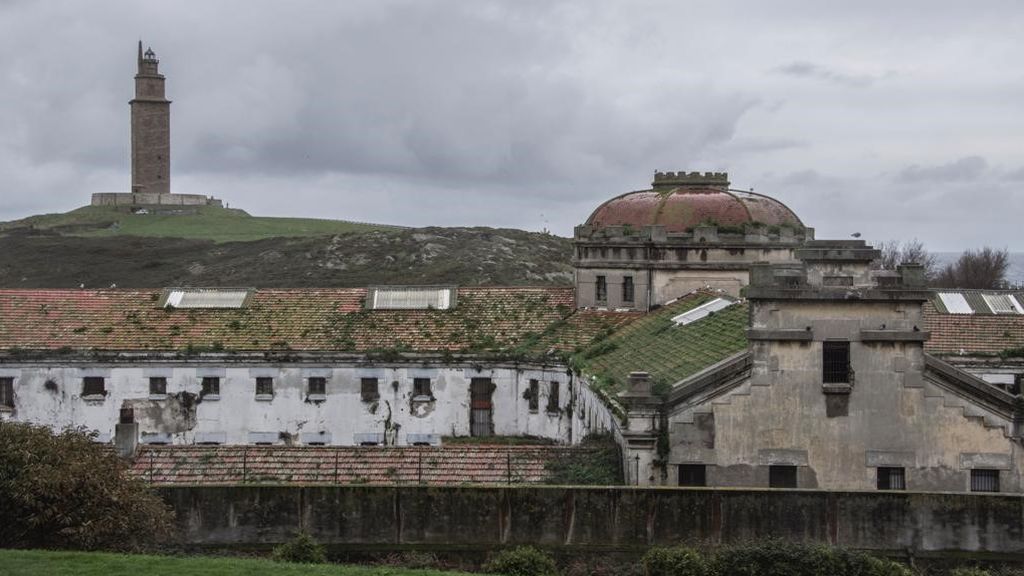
column 7, row 392
column 211, row 386
column 421, row 387
column 317, row 386
column 94, row 386
column 984, row 480
column 835, row 362
column 693, row 475
column 889, row 478
column 628, row 292
column 534, row 395
column 264, row 386
column 601, row 293
column 368, row 390
column 554, row 391
column 157, row 386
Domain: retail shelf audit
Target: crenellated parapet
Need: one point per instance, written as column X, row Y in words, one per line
column 681, row 178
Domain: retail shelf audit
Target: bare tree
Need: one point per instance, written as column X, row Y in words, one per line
column 984, row 268
column 895, row 252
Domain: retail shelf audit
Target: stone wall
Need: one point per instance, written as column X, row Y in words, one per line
column 607, row 519
column 152, row 199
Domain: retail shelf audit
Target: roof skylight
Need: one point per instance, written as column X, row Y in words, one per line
column 205, row 298
column 702, row 311
column 955, row 303
column 1002, row 303
column 411, row 298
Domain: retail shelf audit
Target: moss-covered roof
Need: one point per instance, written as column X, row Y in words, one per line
column 670, row 353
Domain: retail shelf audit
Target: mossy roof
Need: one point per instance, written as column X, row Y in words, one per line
column 655, row 344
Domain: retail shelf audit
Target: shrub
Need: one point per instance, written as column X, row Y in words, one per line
column 675, row 561
column 969, row 571
column 302, row 549
column 66, row 491
column 597, row 462
column 522, row 561
column 774, row 557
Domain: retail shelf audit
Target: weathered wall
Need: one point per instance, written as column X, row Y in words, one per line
column 151, row 199
column 52, row 395
column 607, row 519
column 671, row 284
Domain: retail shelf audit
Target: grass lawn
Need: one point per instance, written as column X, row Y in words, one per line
column 46, row 563
column 208, row 222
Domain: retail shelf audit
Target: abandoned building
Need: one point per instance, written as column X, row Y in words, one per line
column 689, row 231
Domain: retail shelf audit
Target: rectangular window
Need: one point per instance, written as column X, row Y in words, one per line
column 158, row 386
column 94, row 386
column 421, row 387
column 835, row 362
column 317, row 386
column 264, row 386
column 984, row 480
column 534, row 394
column 368, row 389
column 553, row 394
column 837, row 281
column 891, row 478
column 782, row 476
column 601, row 293
column 211, row 386
column 628, row 293
column 6, row 393
column 693, row 475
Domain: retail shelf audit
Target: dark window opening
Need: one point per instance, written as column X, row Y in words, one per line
column 984, row 480
column 421, row 443
column 158, row 386
column 693, row 475
column 369, row 443
column 837, row 281
column 6, row 392
column 94, row 386
column 601, row 290
column 211, row 386
column 1014, row 388
column 369, row 389
column 782, row 476
column 316, row 443
column 421, row 387
column 534, row 395
column 481, row 407
column 264, row 386
column 835, row 362
column 554, row 391
column 628, row 292
column 891, row 478
column 317, row 386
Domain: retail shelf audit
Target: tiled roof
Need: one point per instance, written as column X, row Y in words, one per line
column 462, row 464
column 972, row 334
column 670, row 353
column 484, row 319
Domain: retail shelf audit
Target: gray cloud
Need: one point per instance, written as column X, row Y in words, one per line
column 528, row 113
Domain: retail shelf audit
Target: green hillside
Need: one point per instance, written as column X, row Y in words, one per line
column 193, row 222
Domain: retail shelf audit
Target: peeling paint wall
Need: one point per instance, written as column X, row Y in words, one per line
column 52, row 395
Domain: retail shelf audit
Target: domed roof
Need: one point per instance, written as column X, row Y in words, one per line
column 681, row 201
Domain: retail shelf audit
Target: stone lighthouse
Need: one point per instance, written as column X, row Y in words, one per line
column 151, row 129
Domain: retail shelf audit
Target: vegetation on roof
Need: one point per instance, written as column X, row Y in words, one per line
column 655, row 344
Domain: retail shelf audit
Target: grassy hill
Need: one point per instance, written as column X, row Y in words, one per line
column 99, row 246
column 195, row 222
column 47, row 563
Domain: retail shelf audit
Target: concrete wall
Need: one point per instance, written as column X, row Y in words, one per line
column 151, row 199
column 52, row 395
column 892, row 415
column 604, row 519
column 671, row 284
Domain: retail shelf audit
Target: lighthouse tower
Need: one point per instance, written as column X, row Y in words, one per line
column 151, row 129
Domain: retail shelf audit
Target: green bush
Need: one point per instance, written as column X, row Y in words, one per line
column 969, row 571
column 302, row 549
column 66, row 491
column 522, row 561
column 597, row 462
column 675, row 561
column 780, row 558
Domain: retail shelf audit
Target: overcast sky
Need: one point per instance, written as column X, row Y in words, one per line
column 894, row 119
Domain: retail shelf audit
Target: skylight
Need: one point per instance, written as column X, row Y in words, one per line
column 702, row 311
column 1002, row 303
column 955, row 303
column 411, row 298
column 205, row 297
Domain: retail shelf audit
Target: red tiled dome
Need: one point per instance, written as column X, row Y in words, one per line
column 680, row 209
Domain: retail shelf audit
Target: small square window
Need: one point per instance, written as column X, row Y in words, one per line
column 782, row 476
column 693, row 475
column 983, row 480
column 534, row 396
column 369, row 389
column 317, row 386
column 158, row 386
column 6, row 393
column 94, row 386
column 211, row 387
column 553, row 396
column 421, row 387
column 264, row 386
column 891, row 478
